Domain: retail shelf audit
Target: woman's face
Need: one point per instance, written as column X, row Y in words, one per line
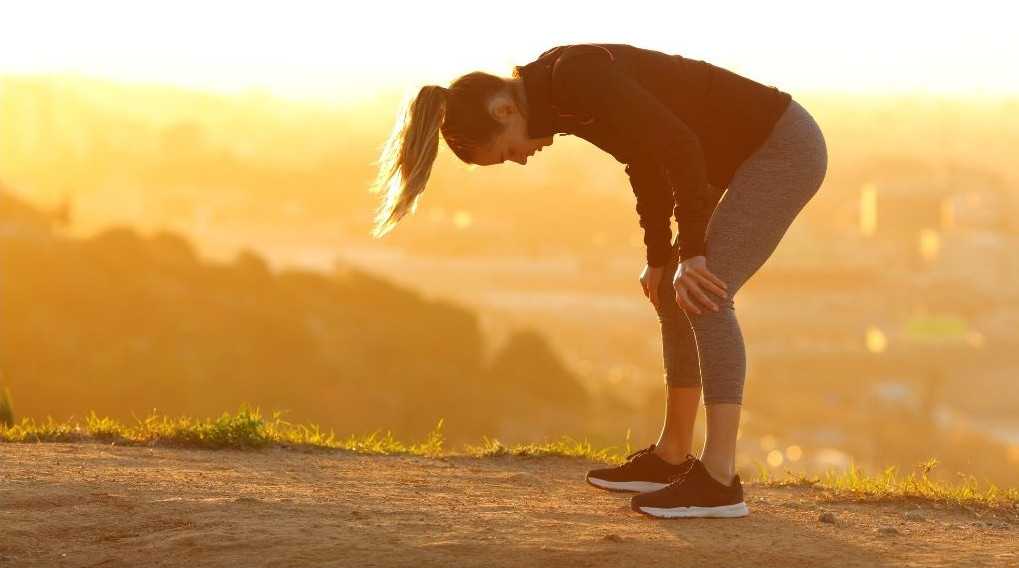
column 513, row 143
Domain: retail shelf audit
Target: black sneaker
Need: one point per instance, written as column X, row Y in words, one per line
column 693, row 494
column 643, row 471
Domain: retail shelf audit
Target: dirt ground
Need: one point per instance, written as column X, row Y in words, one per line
column 101, row 505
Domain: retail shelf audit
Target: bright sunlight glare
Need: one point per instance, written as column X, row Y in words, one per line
column 336, row 51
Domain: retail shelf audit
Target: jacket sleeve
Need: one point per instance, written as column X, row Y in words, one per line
column 664, row 153
column 655, row 204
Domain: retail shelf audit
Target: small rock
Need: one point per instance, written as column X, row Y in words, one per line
column 827, row 517
column 612, row 537
column 525, row 478
column 980, row 524
column 886, row 529
column 913, row 516
column 1003, row 525
column 763, row 501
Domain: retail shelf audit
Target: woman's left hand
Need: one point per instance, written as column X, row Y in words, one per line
column 692, row 278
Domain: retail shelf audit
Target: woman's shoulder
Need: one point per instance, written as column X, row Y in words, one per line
column 630, row 58
column 565, row 51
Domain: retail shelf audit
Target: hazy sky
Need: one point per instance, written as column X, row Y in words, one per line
column 341, row 50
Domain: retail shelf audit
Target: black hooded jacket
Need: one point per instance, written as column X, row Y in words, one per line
column 678, row 124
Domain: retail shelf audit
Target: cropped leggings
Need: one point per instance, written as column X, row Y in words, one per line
column 766, row 193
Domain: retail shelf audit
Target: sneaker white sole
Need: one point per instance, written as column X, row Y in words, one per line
column 634, row 486
column 728, row 511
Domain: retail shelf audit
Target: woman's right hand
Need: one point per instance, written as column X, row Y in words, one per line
column 650, row 279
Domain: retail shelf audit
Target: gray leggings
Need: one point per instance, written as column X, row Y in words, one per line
column 767, row 192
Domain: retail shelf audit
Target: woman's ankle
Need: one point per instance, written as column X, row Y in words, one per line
column 673, row 456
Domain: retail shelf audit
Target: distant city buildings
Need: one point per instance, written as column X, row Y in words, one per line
column 947, row 234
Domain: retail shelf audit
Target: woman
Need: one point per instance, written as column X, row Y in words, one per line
column 686, row 130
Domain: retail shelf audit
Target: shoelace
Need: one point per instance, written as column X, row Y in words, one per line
column 683, row 473
column 637, row 455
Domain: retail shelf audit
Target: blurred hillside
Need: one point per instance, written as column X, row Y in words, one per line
column 123, row 323
column 883, row 328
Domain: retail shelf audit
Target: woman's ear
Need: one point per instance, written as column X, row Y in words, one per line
column 503, row 110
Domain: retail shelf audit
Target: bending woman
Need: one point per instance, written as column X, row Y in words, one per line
column 733, row 160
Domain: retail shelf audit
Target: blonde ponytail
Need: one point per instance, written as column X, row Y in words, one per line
column 408, row 155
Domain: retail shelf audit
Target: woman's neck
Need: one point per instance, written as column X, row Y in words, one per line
column 519, row 93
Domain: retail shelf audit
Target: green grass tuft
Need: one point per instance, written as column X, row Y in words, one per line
column 887, row 485
column 6, row 414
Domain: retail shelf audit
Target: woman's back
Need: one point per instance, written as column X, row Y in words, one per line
column 731, row 114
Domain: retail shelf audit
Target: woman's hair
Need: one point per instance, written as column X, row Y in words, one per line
column 460, row 112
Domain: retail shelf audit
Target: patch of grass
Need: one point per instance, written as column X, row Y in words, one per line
column 247, row 429
column 6, row 414
column 854, row 483
column 564, row 446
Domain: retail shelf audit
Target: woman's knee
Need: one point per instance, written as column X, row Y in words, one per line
column 669, row 311
column 726, row 307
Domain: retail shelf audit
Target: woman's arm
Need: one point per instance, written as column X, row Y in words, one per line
column 655, row 206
